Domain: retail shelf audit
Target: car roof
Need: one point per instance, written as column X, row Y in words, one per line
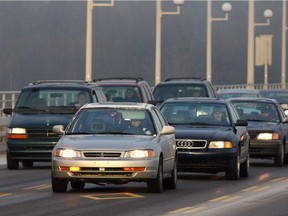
column 62, row 83
column 120, row 80
column 196, row 99
column 270, row 100
column 237, row 91
column 119, row 105
column 183, row 80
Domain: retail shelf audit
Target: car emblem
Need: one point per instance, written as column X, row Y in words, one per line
column 101, row 154
column 185, row 143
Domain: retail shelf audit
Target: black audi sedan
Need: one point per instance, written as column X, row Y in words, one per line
column 267, row 126
column 210, row 136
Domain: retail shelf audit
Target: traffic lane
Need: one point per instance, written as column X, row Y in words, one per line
column 21, row 188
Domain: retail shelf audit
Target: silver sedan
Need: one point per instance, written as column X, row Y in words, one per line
column 115, row 143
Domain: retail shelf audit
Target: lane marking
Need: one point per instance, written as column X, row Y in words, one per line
column 232, row 199
column 180, row 210
column 262, row 188
column 250, row 188
column 111, row 196
column 219, row 198
column 278, row 179
column 194, row 210
column 37, row 187
column 7, row 194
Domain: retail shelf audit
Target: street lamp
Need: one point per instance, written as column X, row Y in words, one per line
column 90, row 6
column 251, row 26
column 283, row 56
column 226, row 8
column 159, row 14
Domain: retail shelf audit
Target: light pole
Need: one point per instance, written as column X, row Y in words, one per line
column 283, row 56
column 251, row 26
column 159, row 14
column 226, row 8
column 90, row 6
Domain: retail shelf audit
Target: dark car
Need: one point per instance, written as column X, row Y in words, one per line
column 183, row 87
column 267, row 126
column 232, row 93
column 39, row 107
column 281, row 95
column 126, row 89
column 210, row 137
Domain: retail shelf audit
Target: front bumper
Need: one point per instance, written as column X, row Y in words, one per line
column 207, row 160
column 37, row 150
column 265, row 148
column 105, row 170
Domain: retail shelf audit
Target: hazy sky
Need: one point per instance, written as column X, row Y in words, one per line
column 47, row 40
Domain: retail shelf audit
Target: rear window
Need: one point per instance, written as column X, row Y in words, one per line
column 163, row 92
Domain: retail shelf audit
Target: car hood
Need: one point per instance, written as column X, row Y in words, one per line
column 104, row 142
column 39, row 120
column 207, row 133
column 253, row 125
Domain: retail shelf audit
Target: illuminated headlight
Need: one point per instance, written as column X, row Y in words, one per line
column 67, row 153
column 16, row 133
column 268, row 136
column 220, row 144
column 139, row 154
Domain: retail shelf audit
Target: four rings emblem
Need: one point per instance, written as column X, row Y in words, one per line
column 185, row 143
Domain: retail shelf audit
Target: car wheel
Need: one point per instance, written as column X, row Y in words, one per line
column 11, row 163
column 171, row 182
column 156, row 185
column 27, row 163
column 279, row 160
column 234, row 172
column 58, row 185
column 244, row 168
column 78, row 185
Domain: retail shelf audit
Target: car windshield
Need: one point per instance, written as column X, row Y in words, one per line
column 278, row 95
column 196, row 114
column 51, row 100
column 163, row 92
column 113, row 121
column 257, row 111
column 116, row 93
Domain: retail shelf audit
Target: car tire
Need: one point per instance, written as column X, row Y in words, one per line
column 58, row 185
column 171, row 182
column 279, row 160
column 234, row 172
column 77, row 185
column 244, row 167
column 27, row 163
column 156, row 185
column 11, row 163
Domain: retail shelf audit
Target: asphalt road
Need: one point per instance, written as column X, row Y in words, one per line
column 27, row 191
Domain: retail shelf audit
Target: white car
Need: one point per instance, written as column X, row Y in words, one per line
column 101, row 145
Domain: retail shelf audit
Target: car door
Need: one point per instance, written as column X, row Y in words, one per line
column 167, row 142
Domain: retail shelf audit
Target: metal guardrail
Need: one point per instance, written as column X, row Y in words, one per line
column 8, row 99
column 255, row 86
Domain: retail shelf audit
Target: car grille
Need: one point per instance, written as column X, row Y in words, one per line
column 102, row 154
column 41, row 133
column 191, row 144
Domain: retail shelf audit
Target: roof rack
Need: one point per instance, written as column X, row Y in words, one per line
column 136, row 79
column 185, row 78
column 59, row 81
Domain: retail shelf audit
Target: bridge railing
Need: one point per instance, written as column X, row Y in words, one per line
column 254, row 86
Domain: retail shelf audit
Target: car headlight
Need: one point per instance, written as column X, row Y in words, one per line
column 268, row 136
column 67, row 153
column 220, row 144
column 139, row 154
column 16, row 133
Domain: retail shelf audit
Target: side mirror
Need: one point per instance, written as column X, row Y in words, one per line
column 58, row 129
column 7, row 111
column 241, row 122
column 167, row 130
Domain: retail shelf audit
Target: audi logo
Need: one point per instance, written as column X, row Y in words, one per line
column 185, row 143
